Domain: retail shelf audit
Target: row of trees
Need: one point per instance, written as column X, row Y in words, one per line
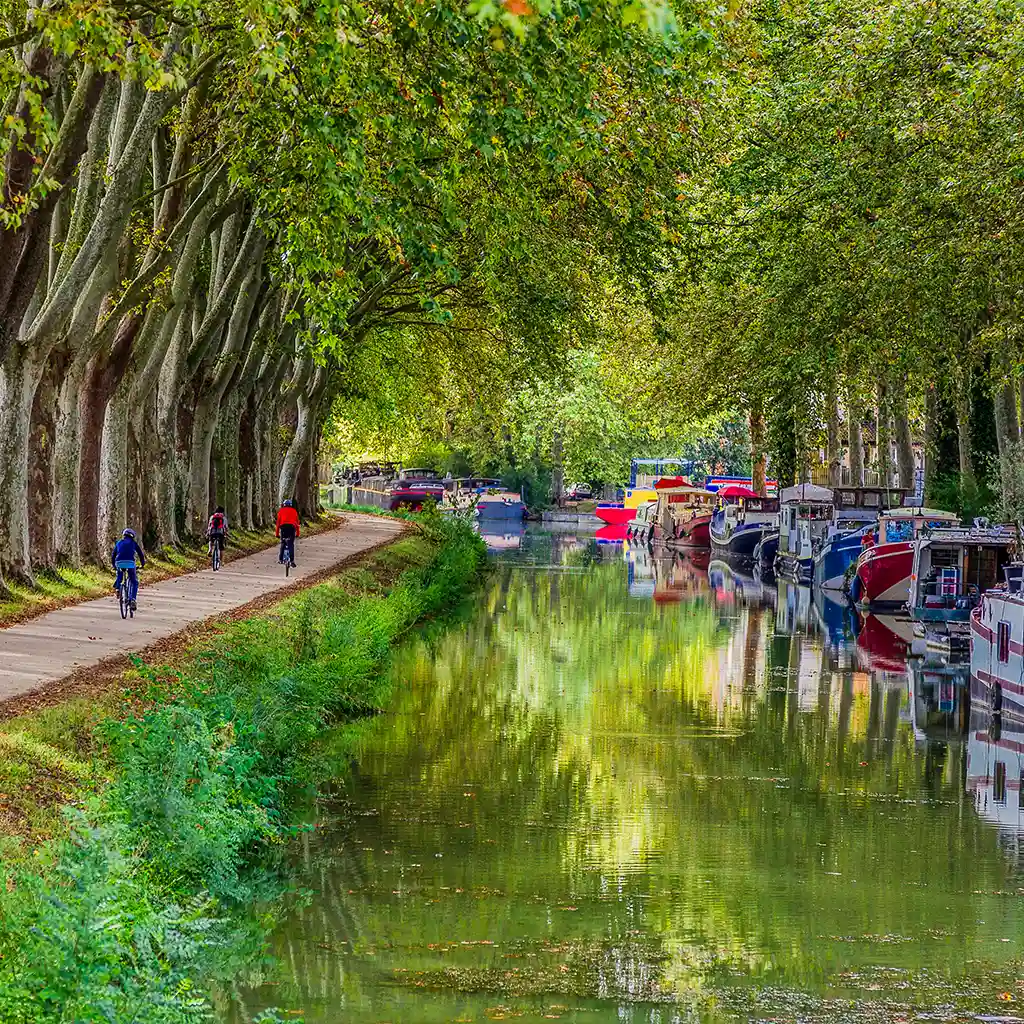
column 218, row 220
column 843, row 262
column 852, row 257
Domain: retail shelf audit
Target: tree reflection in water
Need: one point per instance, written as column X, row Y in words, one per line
column 592, row 806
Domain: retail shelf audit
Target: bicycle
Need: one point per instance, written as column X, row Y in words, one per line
column 215, row 553
column 124, row 595
column 287, row 554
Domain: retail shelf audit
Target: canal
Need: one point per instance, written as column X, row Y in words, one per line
column 634, row 789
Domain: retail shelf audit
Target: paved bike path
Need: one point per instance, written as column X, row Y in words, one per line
column 67, row 640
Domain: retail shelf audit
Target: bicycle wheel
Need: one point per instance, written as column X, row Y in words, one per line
column 122, row 599
column 216, row 556
column 287, row 566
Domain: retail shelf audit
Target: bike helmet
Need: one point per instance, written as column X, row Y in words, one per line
column 287, row 503
column 129, row 533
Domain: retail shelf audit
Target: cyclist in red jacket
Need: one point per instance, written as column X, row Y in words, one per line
column 287, row 530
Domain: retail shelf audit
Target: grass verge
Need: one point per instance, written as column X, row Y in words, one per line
column 58, row 588
column 168, row 869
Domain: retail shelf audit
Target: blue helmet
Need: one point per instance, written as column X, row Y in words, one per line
column 129, row 533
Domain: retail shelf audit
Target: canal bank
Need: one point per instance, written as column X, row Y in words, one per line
column 183, row 800
column 633, row 788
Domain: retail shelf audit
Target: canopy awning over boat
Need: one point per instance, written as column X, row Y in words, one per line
column 806, row 493
column 671, row 482
column 736, row 491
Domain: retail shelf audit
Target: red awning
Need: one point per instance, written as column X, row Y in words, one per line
column 736, row 491
column 671, row 481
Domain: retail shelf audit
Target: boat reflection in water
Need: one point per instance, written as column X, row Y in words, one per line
column 995, row 774
column 724, row 801
column 501, row 535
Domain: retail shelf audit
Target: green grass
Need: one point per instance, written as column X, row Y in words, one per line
column 170, row 867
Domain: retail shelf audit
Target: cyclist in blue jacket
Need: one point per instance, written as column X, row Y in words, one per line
column 123, row 557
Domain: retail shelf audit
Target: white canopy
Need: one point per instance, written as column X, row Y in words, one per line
column 806, row 492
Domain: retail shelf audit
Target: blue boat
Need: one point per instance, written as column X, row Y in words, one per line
column 741, row 521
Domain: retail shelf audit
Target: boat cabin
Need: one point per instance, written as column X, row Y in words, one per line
column 857, row 507
column 407, row 475
column 902, row 525
column 678, row 505
column 806, row 513
column 953, row 567
column 476, row 484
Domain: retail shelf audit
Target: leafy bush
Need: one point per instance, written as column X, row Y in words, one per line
column 171, row 877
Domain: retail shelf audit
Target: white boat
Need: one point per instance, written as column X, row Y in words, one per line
column 805, row 513
column 997, row 647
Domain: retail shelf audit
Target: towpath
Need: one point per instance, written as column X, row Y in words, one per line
column 67, row 641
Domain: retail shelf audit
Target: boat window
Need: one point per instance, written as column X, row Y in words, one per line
column 871, row 499
column 898, row 530
column 1003, row 641
column 999, row 783
column 848, row 497
column 944, row 558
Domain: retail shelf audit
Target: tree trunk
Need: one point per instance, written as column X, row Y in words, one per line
column 931, row 431
column 833, row 444
column 204, row 427
column 301, row 443
column 962, row 407
column 66, row 466
column 904, row 440
column 230, row 468
column 557, row 474
column 757, row 448
column 113, row 484
column 855, row 437
column 41, row 452
column 882, row 436
column 21, row 375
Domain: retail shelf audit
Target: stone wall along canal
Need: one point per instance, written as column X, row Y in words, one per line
column 658, row 790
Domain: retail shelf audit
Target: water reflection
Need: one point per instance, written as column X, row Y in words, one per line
column 635, row 789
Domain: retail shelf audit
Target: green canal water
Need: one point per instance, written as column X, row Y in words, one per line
column 636, row 790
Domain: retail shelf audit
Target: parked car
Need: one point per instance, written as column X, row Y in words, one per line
column 579, row 492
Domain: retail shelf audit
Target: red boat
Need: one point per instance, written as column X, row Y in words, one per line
column 415, row 488
column 885, row 567
column 614, row 514
column 683, row 517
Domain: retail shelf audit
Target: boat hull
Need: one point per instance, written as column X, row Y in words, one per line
column 740, row 541
column 767, row 549
column 832, row 563
column 614, row 515
column 414, row 498
column 508, row 510
column 694, row 533
column 883, row 574
column 998, row 682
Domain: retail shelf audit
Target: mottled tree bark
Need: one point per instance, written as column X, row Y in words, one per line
column 904, row 439
column 757, row 447
column 855, row 437
column 883, row 438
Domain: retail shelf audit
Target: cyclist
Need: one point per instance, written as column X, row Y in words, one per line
column 287, row 530
column 123, row 557
column 217, row 530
